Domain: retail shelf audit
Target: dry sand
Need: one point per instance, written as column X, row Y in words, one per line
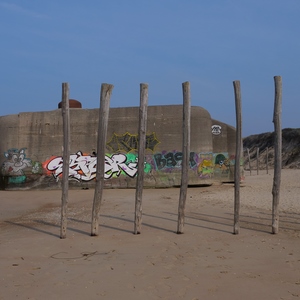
column 206, row 262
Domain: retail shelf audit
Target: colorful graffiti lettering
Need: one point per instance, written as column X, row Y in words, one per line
column 213, row 164
column 120, row 163
column 128, row 142
column 82, row 167
column 172, row 160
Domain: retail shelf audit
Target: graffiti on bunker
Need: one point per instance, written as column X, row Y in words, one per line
column 129, row 142
column 216, row 129
column 15, row 164
column 82, row 167
column 168, row 160
column 206, row 166
column 221, row 164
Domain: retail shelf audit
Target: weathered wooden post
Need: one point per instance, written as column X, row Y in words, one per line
column 267, row 160
column 249, row 160
column 237, row 170
column 277, row 153
column 257, row 160
column 141, row 157
column 106, row 90
column 66, row 158
column 185, row 155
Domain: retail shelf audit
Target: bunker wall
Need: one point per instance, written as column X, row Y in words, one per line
column 32, row 146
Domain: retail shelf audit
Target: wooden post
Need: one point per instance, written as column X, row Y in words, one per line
column 185, row 155
column 141, row 157
column 277, row 154
column 257, row 160
column 267, row 160
column 66, row 159
column 106, row 90
column 237, row 170
column 249, row 160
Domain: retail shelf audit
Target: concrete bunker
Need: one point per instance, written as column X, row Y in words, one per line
column 31, row 143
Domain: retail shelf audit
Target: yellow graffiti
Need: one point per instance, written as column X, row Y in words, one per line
column 206, row 167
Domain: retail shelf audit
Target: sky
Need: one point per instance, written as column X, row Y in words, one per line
column 162, row 43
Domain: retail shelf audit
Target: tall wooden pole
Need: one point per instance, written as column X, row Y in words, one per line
column 237, row 170
column 141, row 157
column 185, row 156
column 267, row 160
column 249, row 160
column 257, row 160
column 277, row 153
column 106, row 90
column 66, row 159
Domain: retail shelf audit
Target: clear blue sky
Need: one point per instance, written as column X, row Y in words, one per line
column 160, row 42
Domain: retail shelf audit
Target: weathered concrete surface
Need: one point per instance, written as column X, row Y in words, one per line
column 225, row 141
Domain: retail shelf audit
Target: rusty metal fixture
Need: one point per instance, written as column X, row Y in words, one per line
column 72, row 104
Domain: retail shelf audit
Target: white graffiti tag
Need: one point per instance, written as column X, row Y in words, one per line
column 83, row 167
column 117, row 163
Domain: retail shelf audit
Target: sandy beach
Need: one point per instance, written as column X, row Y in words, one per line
column 206, row 262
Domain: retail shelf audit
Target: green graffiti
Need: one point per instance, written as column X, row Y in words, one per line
column 17, row 179
column 131, row 157
column 147, row 168
column 37, row 168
